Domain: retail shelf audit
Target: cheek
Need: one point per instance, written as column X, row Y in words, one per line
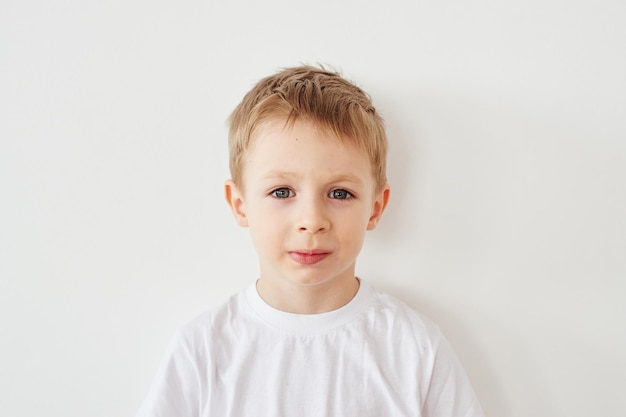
column 264, row 239
column 355, row 215
column 266, row 223
column 353, row 223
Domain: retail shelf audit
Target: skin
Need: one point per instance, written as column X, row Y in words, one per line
column 308, row 199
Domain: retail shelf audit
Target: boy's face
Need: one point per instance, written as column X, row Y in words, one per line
column 308, row 199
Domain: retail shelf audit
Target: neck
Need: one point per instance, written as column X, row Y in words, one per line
column 305, row 299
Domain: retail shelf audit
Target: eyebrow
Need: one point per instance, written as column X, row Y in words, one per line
column 332, row 178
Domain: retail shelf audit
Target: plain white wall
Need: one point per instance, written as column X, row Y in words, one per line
column 508, row 168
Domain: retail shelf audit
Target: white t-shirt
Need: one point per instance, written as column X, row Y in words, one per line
column 374, row 356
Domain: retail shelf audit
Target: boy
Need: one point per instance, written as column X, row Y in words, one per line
column 307, row 159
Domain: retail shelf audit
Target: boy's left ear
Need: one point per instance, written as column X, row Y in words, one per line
column 379, row 206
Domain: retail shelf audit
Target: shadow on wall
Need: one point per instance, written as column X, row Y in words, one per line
column 466, row 340
column 481, row 193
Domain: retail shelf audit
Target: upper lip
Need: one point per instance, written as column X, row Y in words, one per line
column 311, row 251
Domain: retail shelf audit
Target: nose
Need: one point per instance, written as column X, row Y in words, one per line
column 313, row 217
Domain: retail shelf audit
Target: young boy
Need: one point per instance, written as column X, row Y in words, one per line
column 307, row 159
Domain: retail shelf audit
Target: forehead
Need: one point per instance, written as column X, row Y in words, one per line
column 304, row 146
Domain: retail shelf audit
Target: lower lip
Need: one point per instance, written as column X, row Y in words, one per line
column 308, row 258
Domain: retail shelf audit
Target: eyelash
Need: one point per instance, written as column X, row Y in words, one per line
column 282, row 189
column 347, row 195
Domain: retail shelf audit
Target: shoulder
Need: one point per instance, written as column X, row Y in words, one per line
column 201, row 330
column 419, row 339
column 392, row 307
column 401, row 319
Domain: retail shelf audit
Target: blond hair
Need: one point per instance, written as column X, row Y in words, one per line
column 312, row 94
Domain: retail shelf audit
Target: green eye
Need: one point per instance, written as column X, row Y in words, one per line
column 282, row 193
column 340, row 194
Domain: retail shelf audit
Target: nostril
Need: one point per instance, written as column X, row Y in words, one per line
column 313, row 229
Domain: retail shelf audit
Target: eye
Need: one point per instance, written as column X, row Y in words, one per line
column 282, row 193
column 340, row 194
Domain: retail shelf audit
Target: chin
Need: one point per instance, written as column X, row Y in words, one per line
column 315, row 278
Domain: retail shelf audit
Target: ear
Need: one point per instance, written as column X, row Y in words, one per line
column 380, row 203
column 234, row 198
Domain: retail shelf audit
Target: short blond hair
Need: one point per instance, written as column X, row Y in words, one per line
column 313, row 94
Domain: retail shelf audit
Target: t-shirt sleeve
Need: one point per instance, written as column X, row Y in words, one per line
column 175, row 392
column 450, row 393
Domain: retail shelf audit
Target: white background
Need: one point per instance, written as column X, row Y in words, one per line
column 507, row 222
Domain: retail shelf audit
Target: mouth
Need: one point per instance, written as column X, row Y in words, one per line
column 308, row 257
